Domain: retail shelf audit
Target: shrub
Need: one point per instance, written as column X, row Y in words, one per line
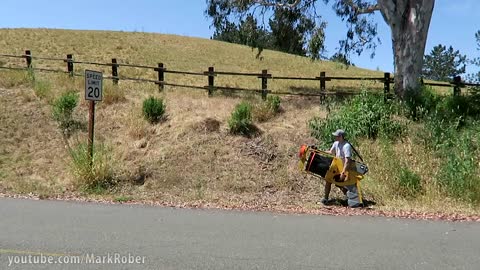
column 409, row 182
column 458, row 174
column 273, row 103
column 366, row 115
column 153, row 109
column 424, row 103
column 99, row 176
column 421, row 103
column 63, row 109
column 459, row 108
column 240, row 121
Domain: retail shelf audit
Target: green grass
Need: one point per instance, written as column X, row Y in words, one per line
column 93, row 175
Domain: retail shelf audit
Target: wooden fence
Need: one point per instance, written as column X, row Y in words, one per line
column 211, row 73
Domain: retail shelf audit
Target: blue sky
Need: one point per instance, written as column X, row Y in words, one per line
column 454, row 22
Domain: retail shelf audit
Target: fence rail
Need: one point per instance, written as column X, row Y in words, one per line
column 211, row 74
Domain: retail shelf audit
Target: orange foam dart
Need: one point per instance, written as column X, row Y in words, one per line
column 302, row 151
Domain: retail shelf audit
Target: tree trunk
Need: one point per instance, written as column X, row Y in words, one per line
column 409, row 21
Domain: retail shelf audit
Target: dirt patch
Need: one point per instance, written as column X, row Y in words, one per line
column 264, row 150
column 207, row 125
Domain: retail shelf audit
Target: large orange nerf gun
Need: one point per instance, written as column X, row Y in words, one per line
column 329, row 167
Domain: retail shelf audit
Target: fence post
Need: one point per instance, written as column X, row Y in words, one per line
column 264, row 84
column 323, row 87
column 115, row 71
column 386, row 85
column 28, row 58
column 211, row 80
column 70, row 64
column 161, row 76
column 457, row 81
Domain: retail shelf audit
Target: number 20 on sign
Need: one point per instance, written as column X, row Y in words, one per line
column 93, row 85
column 93, row 92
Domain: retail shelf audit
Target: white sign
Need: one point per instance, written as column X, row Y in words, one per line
column 93, row 85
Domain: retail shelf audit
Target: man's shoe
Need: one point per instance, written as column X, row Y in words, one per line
column 324, row 201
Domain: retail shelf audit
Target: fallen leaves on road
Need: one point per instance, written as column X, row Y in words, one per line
column 322, row 210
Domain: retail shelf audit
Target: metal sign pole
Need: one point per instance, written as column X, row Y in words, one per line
column 93, row 93
column 91, row 128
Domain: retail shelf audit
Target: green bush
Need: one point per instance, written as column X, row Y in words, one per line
column 63, row 108
column 459, row 108
column 409, row 182
column 273, row 103
column 240, row 121
column 364, row 116
column 99, row 176
column 421, row 103
column 458, row 174
column 153, row 109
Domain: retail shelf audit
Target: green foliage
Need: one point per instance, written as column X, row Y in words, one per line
column 247, row 32
column 31, row 75
column 292, row 30
column 452, row 132
column 409, row 182
column 459, row 174
column 153, row 109
column 461, row 107
column 240, row 121
column 273, row 103
column 443, row 64
column 95, row 178
column 63, row 108
column 316, row 44
column 365, row 116
column 342, row 59
column 419, row 104
column 427, row 105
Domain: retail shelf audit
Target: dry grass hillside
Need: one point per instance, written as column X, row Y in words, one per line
column 177, row 53
column 190, row 157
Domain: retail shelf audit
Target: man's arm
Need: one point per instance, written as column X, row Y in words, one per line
column 332, row 149
column 346, row 163
column 348, row 154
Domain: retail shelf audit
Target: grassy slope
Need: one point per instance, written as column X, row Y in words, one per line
column 182, row 161
column 178, row 53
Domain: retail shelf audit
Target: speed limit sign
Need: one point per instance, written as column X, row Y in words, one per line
column 93, row 85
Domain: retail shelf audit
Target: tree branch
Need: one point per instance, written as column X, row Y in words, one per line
column 280, row 5
column 361, row 10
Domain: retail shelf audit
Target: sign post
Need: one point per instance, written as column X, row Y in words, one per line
column 93, row 92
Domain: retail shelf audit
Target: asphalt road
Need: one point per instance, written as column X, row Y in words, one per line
column 167, row 238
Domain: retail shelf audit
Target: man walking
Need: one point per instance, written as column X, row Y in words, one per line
column 343, row 150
